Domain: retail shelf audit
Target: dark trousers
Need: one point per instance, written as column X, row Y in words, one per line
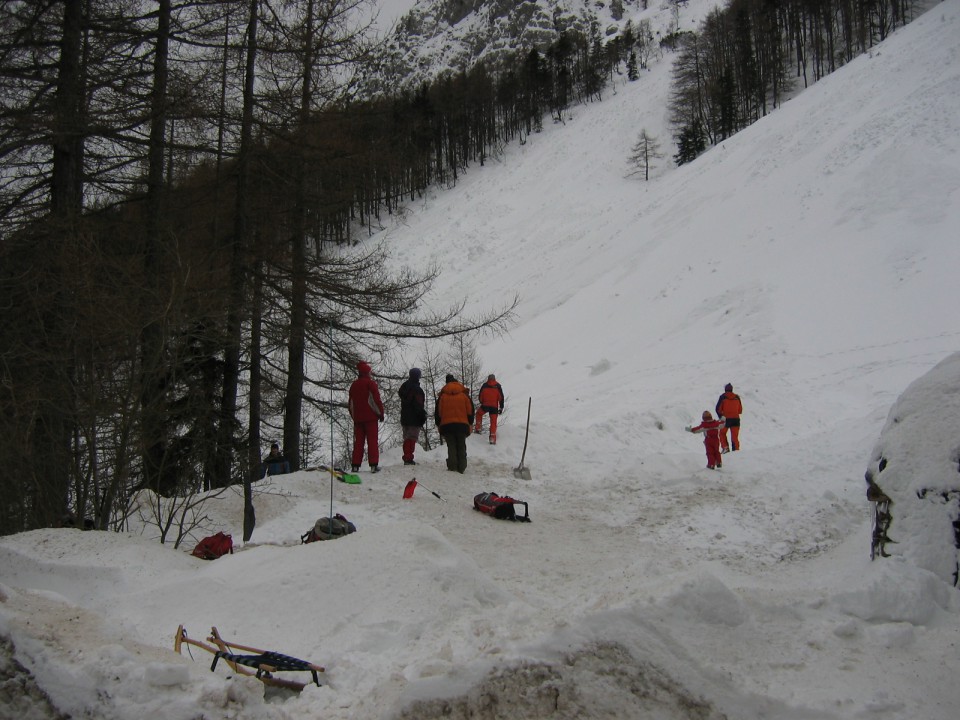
column 456, row 449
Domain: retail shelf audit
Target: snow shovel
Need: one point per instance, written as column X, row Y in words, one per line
column 349, row 478
column 412, row 485
column 521, row 471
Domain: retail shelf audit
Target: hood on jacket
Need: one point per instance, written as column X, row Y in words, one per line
column 452, row 387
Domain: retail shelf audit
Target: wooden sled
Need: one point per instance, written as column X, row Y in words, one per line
column 264, row 663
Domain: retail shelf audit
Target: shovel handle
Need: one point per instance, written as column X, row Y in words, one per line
column 527, row 433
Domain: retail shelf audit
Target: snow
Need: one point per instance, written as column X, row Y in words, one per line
column 810, row 261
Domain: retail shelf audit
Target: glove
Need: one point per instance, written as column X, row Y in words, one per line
column 689, row 428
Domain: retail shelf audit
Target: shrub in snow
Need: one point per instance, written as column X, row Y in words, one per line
column 913, row 477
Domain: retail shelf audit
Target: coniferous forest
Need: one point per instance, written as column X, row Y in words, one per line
column 183, row 191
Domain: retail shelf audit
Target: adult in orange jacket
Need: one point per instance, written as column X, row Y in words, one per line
column 729, row 408
column 454, row 418
column 711, row 439
column 366, row 410
column 491, row 401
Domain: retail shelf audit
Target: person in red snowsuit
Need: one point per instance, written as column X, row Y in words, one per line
column 711, row 439
column 490, row 400
column 729, row 408
column 366, row 410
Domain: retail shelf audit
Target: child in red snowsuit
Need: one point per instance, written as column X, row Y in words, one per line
column 711, row 438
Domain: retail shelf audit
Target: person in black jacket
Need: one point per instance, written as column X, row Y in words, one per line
column 413, row 414
column 275, row 463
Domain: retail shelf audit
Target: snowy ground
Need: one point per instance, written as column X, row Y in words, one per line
column 810, row 260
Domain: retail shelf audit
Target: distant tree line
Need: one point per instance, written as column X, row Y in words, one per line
column 748, row 55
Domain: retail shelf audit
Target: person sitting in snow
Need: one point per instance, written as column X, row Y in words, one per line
column 711, row 439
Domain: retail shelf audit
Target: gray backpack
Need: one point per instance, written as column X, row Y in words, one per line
column 328, row 529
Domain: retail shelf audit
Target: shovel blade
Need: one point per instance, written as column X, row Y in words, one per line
column 408, row 490
column 522, row 473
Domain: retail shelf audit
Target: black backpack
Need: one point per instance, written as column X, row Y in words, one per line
column 328, row 529
column 502, row 507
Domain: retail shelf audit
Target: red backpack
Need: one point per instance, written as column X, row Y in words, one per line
column 210, row 548
column 501, row 506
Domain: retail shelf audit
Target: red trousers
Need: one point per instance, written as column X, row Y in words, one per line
column 365, row 432
column 712, row 443
column 493, row 423
column 411, row 434
column 734, row 436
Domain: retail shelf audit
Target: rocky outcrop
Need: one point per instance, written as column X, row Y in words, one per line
column 443, row 36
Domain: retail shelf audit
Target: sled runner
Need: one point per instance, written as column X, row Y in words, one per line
column 263, row 662
column 501, row 507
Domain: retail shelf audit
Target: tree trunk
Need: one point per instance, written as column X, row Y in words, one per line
column 231, row 359
column 52, row 432
column 152, row 341
column 296, row 343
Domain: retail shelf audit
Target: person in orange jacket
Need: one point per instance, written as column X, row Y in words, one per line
column 711, row 439
column 490, row 399
column 366, row 410
column 454, row 417
column 729, row 409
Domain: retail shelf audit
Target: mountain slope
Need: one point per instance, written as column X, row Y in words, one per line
column 767, row 246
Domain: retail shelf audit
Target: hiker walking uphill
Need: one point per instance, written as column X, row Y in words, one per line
column 454, row 418
column 490, row 400
column 366, row 410
column 413, row 414
column 711, row 439
column 729, row 409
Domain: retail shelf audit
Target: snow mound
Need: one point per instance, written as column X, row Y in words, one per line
column 916, row 464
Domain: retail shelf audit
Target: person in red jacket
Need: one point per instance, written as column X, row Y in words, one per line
column 711, row 439
column 729, row 409
column 366, row 410
column 490, row 399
